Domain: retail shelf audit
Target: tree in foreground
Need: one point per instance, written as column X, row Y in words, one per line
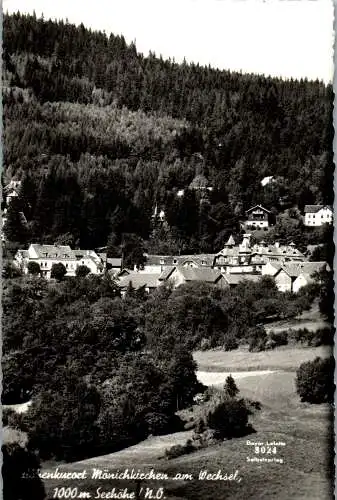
column 62, row 419
column 315, row 380
column 229, row 418
column 20, row 473
column 230, row 388
column 34, row 268
column 58, row 271
column 82, row 271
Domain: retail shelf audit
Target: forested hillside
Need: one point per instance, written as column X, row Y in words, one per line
column 101, row 135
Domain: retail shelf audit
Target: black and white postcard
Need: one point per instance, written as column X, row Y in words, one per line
column 167, row 249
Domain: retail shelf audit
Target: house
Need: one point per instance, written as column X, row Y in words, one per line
column 158, row 263
column 148, row 281
column 267, row 180
column 258, row 216
column 12, row 190
column 291, row 276
column 112, row 264
column 47, row 255
column 307, row 272
column 317, row 215
column 238, row 258
column 179, row 275
column 277, row 252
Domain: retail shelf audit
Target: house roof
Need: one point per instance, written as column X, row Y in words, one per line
column 313, row 209
column 166, row 273
column 207, row 275
column 138, row 280
column 236, row 278
column 114, row 261
column 278, row 251
column 230, row 242
column 258, row 206
column 295, row 269
column 173, row 260
column 63, row 252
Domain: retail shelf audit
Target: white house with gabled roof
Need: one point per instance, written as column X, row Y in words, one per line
column 317, row 215
column 47, row 255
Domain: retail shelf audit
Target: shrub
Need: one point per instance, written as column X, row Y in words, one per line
column 229, row 418
column 230, row 342
column 322, row 336
column 315, row 380
column 58, row 271
column 34, row 268
column 205, row 344
column 257, row 339
column 230, row 388
column 279, row 338
column 157, row 423
column 82, row 271
column 178, row 450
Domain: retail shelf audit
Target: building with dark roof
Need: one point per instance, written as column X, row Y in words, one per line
column 179, row 275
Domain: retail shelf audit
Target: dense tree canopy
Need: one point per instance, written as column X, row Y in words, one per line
column 101, row 135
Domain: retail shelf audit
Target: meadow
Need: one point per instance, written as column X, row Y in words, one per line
column 304, row 428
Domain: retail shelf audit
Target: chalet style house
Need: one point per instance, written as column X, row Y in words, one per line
column 317, row 215
column 258, row 217
column 47, row 255
column 12, row 191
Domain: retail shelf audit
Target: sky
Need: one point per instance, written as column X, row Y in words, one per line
column 287, row 38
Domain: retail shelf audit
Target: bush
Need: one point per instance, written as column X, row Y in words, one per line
column 279, row 338
column 178, row 450
column 230, row 388
column 230, row 342
column 229, row 418
column 315, row 381
column 82, row 271
column 322, row 336
column 34, row 268
column 157, row 423
column 58, row 271
column 257, row 339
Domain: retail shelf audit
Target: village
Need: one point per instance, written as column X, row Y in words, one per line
column 167, row 252
column 234, row 263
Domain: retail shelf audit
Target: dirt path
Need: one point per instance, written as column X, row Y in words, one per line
column 219, row 378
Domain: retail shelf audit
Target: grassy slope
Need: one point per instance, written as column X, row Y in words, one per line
column 287, row 358
column 304, row 429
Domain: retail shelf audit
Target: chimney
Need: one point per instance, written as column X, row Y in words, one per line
column 277, row 244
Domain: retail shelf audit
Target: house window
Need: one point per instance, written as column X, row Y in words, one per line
column 174, row 261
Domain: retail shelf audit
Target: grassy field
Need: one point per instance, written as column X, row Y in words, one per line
column 302, row 427
column 285, row 358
